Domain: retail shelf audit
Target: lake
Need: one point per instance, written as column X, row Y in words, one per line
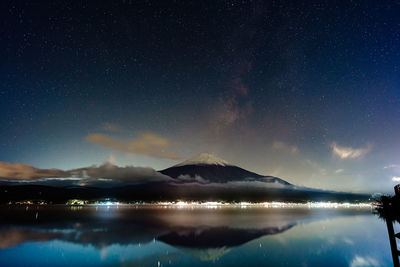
column 176, row 236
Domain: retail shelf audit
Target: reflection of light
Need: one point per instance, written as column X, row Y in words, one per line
column 75, row 203
column 107, row 203
column 244, row 204
column 181, row 203
column 214, row 204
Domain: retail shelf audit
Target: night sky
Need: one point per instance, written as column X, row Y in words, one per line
column 308, row 91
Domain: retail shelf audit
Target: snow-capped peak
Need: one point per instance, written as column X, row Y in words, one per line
column 204, row 159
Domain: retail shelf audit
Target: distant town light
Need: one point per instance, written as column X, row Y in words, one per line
column 216, row 204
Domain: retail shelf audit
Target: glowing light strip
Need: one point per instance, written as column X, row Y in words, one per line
column 215, row 204
column 266, row 204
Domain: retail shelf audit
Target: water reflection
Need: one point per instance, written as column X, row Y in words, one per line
column 156, row 236
column 103, row 226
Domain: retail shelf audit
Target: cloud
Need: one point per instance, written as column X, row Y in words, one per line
column 83, row 176
column 396, row 179
column 196, row 178
column 278, row 145
column 392, row 166
column 265, row 182
column 149, row 144
column 359, row 261
column 258, row 184
column 238, row 184
column 19, row 171
column 125, row 174
column 395, row 170
column 349, row 152
column 339, row 171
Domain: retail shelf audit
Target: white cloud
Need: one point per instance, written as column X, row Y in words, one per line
column 391, row 166
column 339, row 171
column 196, row 178
column 395, row 167
column 349, row 152
column 348, row 241
column 127, row 173
column 396, row 179
column 359, row 261
column 251, row 184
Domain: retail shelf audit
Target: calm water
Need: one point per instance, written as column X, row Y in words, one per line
column 156, row 236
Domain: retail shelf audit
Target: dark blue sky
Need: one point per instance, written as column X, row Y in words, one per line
column 305, row 91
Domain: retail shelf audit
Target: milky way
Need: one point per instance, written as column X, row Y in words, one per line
column 304, row 91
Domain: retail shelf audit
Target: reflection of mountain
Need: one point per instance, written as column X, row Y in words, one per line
column 101, row 227
column 212, row 243
column 204, row 233
column 216, row 237
column 205, row 244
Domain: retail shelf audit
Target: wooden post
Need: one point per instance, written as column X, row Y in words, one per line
column 392, row 240
column 397, row 190
column 392, row 236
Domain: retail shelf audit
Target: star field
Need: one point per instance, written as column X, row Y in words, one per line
column 289, row 89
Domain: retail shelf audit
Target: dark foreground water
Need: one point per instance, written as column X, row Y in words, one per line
column 159, row 236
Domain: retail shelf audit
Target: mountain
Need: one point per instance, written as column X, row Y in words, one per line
column 204, row 177
column 210, row 168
